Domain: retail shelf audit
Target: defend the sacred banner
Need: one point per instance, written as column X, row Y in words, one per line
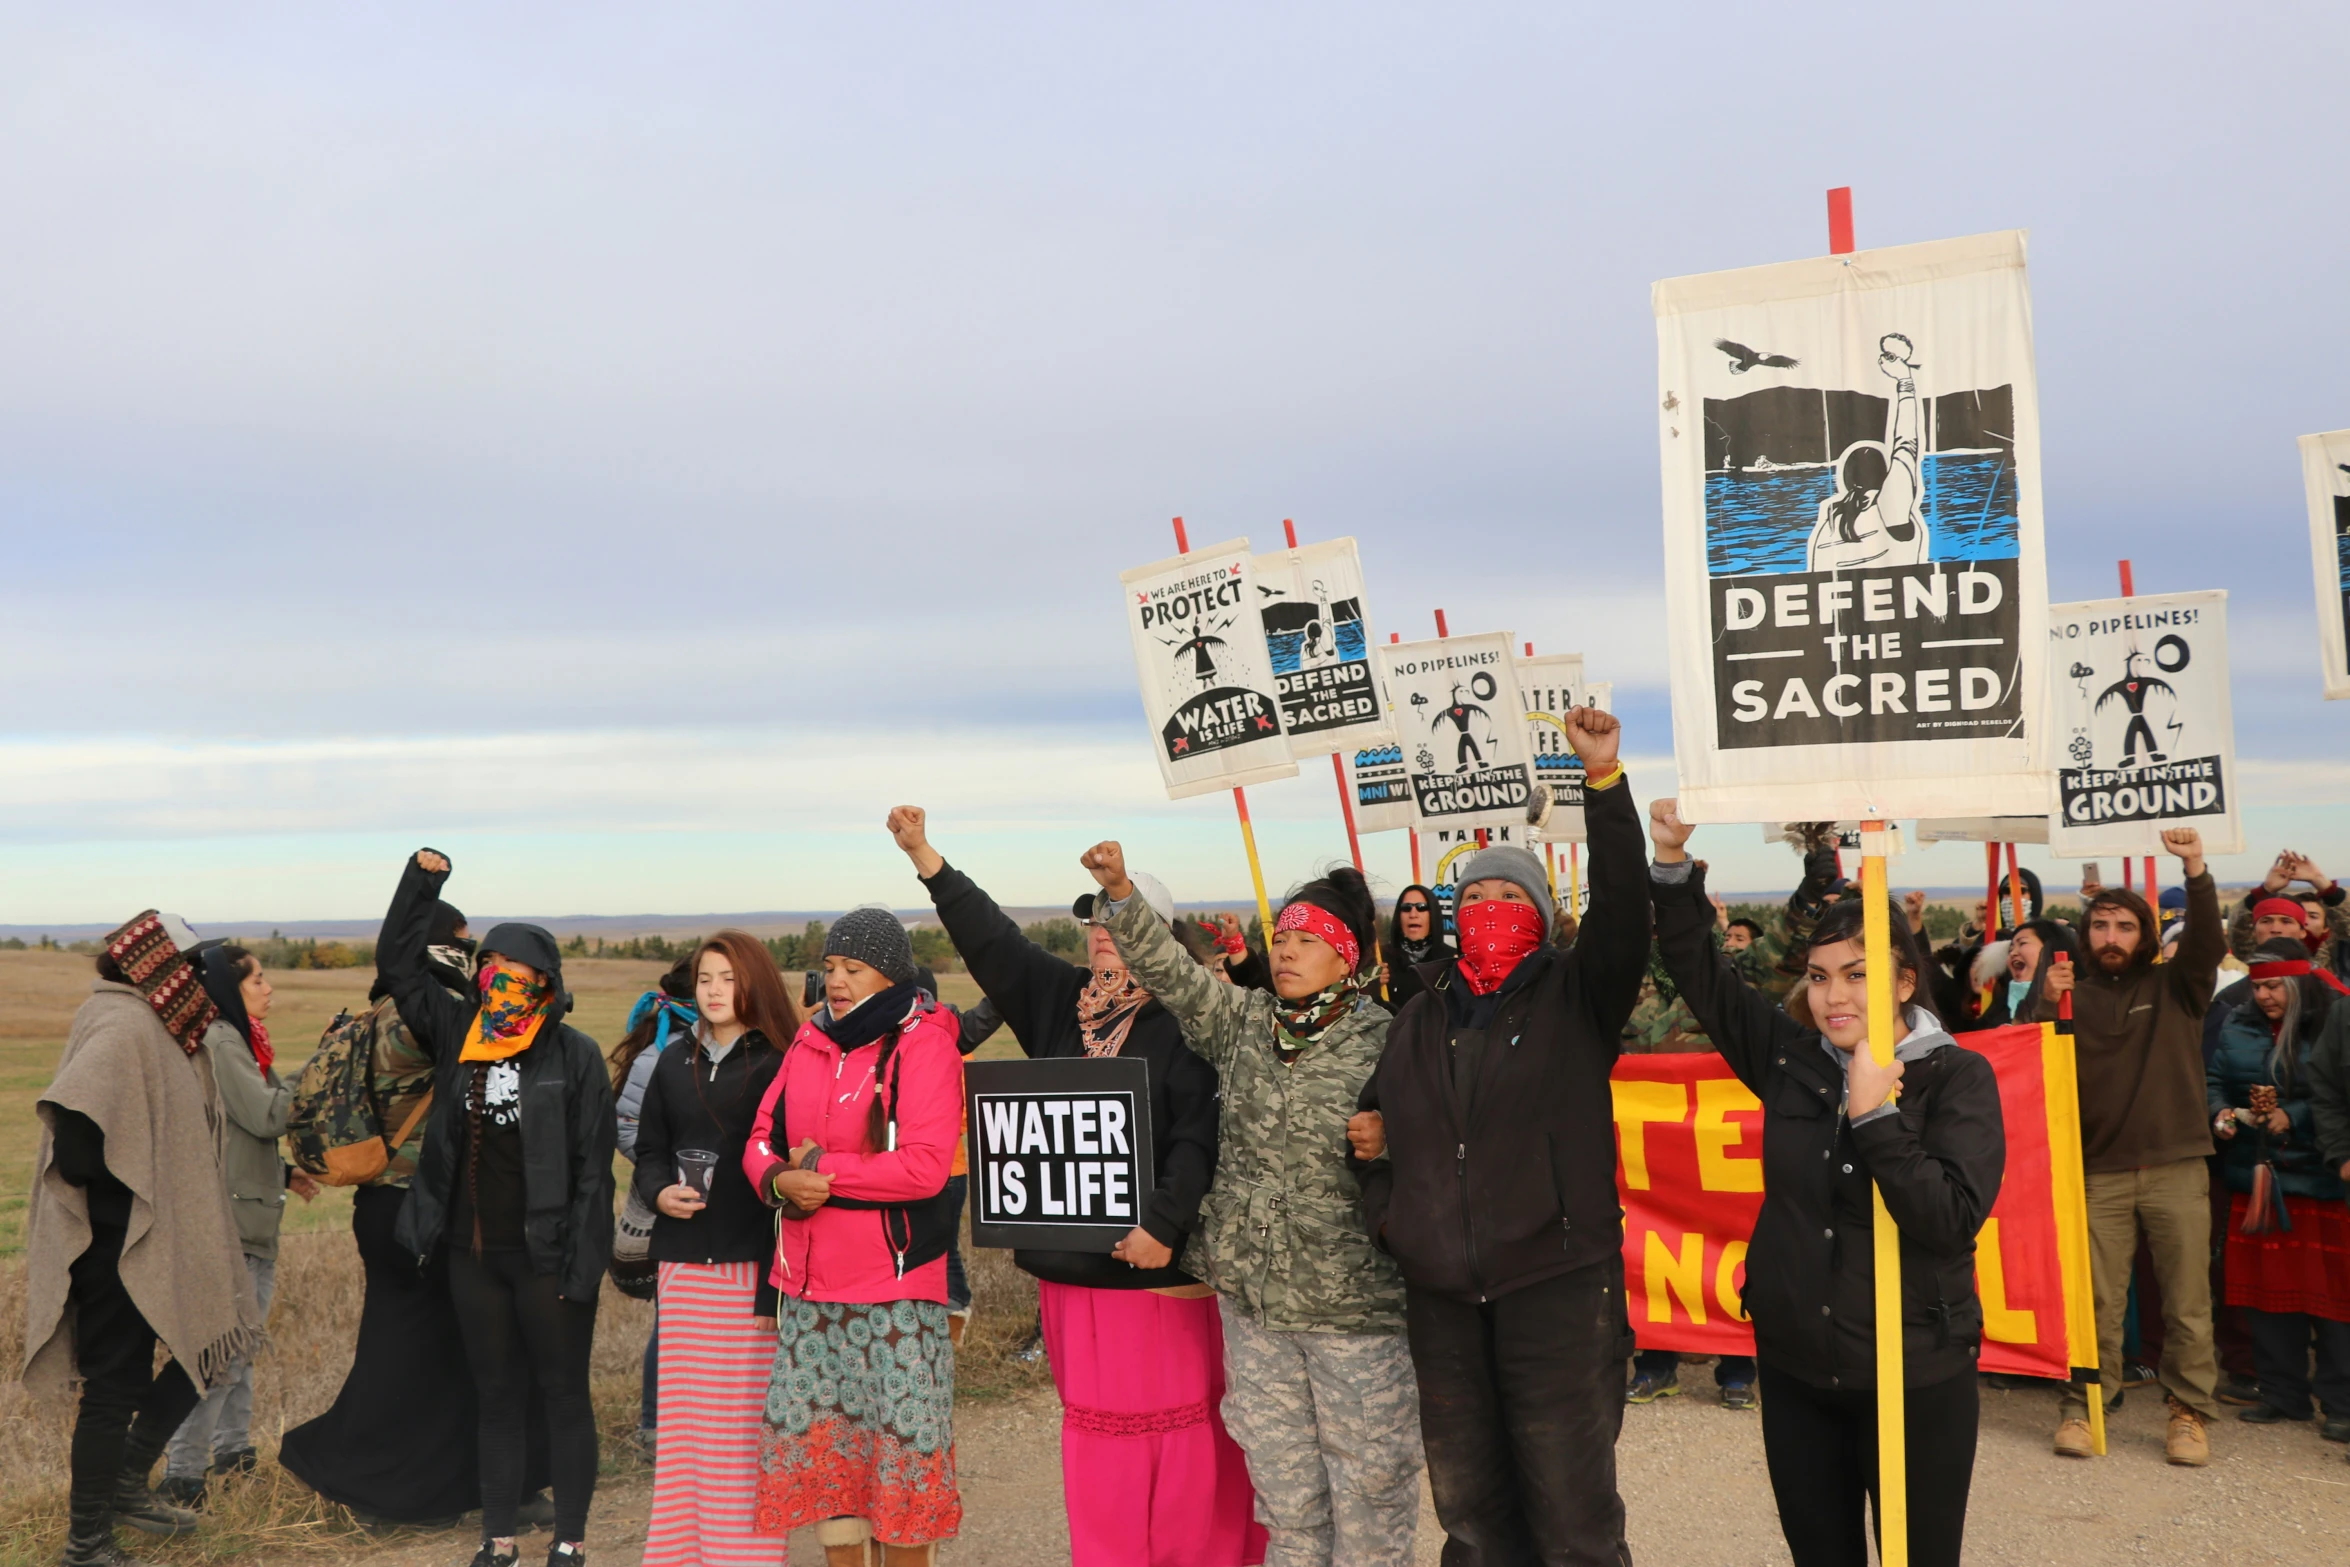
column 1689, row 1174
column 1453, row 703
column 1310, row 600
column 1852, row 534
column 1060, row 1151
column 2138, row 700
column 1207, row 681
column 2325, row 473
column 1552, row 686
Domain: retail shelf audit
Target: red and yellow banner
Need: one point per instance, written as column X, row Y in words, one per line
column 1689, row 1173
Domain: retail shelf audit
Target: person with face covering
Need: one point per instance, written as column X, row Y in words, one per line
column 1148, row 1471
column 130, row 1238
column 2146, row 1141
column 1488, row 1166
column 1415, row 939
column 515, row 1185
column 217, row 1436
column 852, row 1144
column 2288, row 1240
column 1832, row 1128
column 1318, row 1383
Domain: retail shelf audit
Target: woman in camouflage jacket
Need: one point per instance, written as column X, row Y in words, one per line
column 1320, row 1389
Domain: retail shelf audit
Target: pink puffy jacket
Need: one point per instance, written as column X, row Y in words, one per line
column 840, row 1253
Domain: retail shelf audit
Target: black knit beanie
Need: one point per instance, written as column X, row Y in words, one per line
column 874, row 938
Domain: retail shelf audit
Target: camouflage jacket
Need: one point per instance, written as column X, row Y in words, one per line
column 1281, row 1232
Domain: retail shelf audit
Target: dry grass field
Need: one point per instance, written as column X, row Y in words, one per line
column 270, row 1516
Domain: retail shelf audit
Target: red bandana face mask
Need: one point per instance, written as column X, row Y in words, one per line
column 1496, row 935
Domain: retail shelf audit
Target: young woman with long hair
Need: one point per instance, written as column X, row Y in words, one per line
column 515, row 1183
column 853, row 1142
column 1831, row 1130
column 710, row 1237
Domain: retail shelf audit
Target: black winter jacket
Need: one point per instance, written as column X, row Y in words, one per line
column 567, row 1126
column 690, row 1104
column 1939, row 1159
column 1524, row 1188
column 1037, row 994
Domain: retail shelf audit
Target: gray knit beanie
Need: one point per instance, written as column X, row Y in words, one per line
column 874, row 938
column 1503, row 863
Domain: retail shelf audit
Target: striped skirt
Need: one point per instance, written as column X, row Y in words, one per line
column 714, row 1362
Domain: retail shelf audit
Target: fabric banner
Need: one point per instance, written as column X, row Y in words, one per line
column 1207, row 681
column 1552, row 686
column 1453, row 706
column 1689, row 1174
column 1853, row 556
column 1310, row 600
column 1382, row 793
column 2138, row 703
column 2325, row 473
column 1984, row 829
column 1445, row 852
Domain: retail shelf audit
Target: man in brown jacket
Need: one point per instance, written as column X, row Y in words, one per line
column 2138, row 1045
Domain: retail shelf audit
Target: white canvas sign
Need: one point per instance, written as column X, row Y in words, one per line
column 1382, row 792
column 2138, row 707
column 2325, row 473
column 1453, row 705
column 1318, row 637
column 1851, row 462
column 1551, row 687
column 1984, row 829
column 1207, row 682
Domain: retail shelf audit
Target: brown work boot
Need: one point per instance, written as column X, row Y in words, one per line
column 2186, row 1442
column 2073, row 1440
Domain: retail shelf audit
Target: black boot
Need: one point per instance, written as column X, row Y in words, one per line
column 89, row 1540
column 140, row 1507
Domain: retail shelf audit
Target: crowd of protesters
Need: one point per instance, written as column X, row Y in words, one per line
column 1382, row 1235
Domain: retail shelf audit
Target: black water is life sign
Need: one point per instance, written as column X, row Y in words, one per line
column 1060, row 1151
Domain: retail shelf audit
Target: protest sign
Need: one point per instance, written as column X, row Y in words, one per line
column 2138, row 705
column 1551, row 687
column 1984, row 829
column 1689, row 1174
column 1382, row 792
column 2325, row 473
column 1207, row 681
column 1851, row 462
column 1453, row 704
column 1310, row 600
column 1060, row 1151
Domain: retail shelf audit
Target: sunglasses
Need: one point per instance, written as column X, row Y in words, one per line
column 1411, row 908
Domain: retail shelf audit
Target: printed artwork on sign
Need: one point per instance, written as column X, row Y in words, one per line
column 2325, row 472
column 1060, row 1151
column 1551, row 687
column 1382, row 791
column 2140, row 709
column 1455, row 709
column 1311, row 602
column 1853, row 533
column 1207, row 681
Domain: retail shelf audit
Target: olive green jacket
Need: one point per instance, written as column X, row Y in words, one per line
column 1281, row 1232
column 257, row 1103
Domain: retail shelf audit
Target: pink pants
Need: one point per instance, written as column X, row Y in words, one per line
column 1151, row 1478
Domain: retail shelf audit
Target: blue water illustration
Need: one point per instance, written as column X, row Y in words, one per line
column 1762, row 522
column 1288, row 647
column 2342, row 550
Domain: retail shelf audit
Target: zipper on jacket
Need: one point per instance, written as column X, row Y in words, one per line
column 1468, row 1224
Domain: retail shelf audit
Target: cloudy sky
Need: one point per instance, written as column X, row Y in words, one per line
column 631, row 448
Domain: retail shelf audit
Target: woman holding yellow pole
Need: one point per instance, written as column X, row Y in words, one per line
column 1832, row 1129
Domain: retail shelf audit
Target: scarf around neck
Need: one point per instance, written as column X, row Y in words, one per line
column 1305, row 1019
column 1106, row 1012
column 877, row 1015
column 512, row 1010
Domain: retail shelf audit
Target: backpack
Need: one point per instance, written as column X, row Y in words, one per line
column 335, row 1126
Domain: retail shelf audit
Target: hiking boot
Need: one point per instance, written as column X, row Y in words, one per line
column 2186, row 1442
column 2336, row 1428
column 142, row 1509
column 2267, row 1415
column 88, row 1547
column 2136, row 1373
column 1650, row 1386
column 2238, row 1389
column 236, row 1461
column 183, row 1493
column 1739, row 1395
column 2073, row 1439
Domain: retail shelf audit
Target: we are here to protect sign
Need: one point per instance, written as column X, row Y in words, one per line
column 1060, row 1151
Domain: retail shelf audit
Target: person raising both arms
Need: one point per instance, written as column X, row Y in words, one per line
column 515, row 1184
column 1319, row 1384
column 1831, row 1129
column 1486, row 1147
column 1137, row 1354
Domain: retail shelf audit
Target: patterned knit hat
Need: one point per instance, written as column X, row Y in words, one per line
column 151, row 952
column 874, row 938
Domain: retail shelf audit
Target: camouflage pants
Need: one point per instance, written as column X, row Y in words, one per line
column 1331, row 1426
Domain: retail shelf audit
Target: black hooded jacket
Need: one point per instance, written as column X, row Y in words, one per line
column 1037, row 994
column 566, row 1128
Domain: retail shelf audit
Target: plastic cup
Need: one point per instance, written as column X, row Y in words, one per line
column 697, row 1168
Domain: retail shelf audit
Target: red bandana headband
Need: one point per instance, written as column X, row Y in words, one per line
column 2281, row 969
column 2280, row 908
column 1322, row 923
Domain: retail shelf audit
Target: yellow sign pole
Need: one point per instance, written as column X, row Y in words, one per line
column 2061, row 1090
column 1256, row 870
column 1892, row 1426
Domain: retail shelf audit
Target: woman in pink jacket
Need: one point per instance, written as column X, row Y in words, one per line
column 852, row 1144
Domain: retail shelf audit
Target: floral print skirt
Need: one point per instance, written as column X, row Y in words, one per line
column 860, row 1420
